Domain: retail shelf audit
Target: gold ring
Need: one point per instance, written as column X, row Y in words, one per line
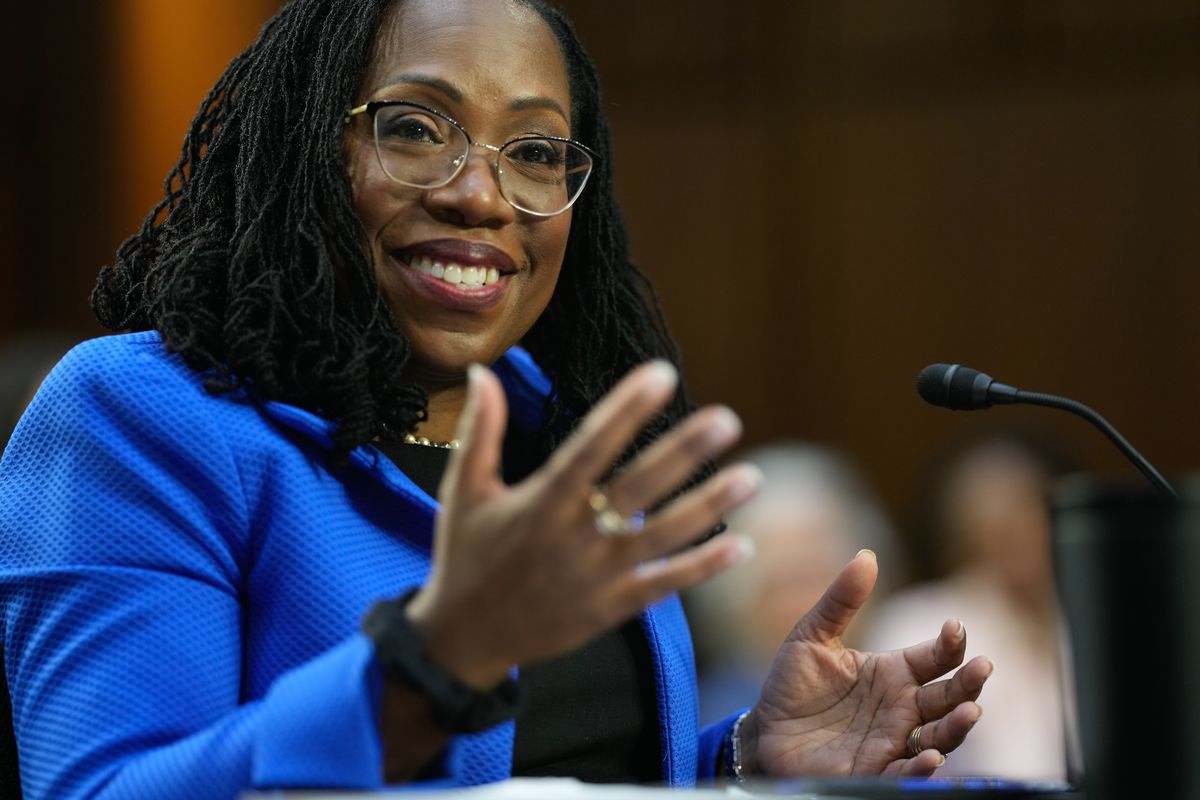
column 607, row 520
column 914, row 740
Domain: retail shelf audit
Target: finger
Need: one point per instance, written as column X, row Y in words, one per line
column 934, row 658
column 694, row 514
column 841, row 601
column 938, row 699
column 921, row 765
column 649, row 582
column 475, row 465
column 607, row 430
column 947, row 733
column 674, row 458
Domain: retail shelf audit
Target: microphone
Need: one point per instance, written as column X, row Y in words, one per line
column 964, row 389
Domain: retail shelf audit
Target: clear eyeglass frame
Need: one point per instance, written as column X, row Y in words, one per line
column 578, row 158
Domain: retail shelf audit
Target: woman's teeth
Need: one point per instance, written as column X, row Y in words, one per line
column 463, row 277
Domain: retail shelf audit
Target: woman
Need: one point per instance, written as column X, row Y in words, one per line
column 198, row 517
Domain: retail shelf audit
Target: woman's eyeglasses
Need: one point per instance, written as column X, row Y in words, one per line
column 423, row 148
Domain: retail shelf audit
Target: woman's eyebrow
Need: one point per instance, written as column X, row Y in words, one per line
column 454, row 93
column 445, row 87
column 537, row 101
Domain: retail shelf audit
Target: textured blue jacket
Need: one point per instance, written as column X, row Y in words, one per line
column 182, row 578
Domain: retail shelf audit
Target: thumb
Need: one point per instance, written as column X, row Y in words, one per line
column 476, row 463
column 842, row 600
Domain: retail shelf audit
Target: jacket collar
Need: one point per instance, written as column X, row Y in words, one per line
column 525, row 386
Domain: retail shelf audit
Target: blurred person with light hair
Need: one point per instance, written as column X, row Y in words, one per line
column 987, row 519
column 813, row 512
column 24, row 362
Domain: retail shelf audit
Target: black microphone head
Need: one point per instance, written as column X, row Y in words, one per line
column 954, row 386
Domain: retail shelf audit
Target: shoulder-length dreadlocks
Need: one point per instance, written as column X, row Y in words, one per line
column 253, row 266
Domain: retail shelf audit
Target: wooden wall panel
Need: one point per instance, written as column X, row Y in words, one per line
column 54, row 146
column 93, row 118
column 167, row 56
column 829, row 195
column 1014, row 185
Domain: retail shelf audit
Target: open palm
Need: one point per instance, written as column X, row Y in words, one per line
column 826, row 709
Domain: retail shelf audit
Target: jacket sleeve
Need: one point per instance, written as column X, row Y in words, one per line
column 711, row 740
column 123, row 551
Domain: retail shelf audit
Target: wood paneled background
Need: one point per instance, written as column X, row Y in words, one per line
column 828, row 195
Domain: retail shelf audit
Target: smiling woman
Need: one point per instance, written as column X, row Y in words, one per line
column 222, row 564
column 428, row 53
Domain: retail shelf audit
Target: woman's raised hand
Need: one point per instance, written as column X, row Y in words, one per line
column 522, row 573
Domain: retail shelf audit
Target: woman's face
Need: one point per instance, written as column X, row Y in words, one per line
column 496, row 68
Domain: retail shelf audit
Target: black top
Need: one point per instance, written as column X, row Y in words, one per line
column 591, row 714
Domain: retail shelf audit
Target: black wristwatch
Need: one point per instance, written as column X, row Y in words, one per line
column 455, row 706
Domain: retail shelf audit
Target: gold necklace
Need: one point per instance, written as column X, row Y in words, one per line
column 409, row 438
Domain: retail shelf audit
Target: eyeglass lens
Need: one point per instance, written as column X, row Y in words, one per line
column 425, row 150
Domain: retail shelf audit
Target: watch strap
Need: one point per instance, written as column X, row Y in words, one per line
column 455, row 706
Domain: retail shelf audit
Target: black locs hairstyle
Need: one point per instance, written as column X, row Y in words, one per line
column 253, row 265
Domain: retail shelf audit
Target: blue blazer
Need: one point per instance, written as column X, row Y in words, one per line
column 182, row 577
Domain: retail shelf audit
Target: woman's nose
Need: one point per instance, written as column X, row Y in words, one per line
column 473, row 198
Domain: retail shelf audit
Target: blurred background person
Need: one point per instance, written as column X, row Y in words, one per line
column 24, row 362
column 987, row 519
column 813, row 512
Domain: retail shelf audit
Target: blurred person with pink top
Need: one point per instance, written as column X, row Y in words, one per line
column 990, row 523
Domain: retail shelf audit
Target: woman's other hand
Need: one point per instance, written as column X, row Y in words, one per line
column 829, row 710
column 521, row 573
